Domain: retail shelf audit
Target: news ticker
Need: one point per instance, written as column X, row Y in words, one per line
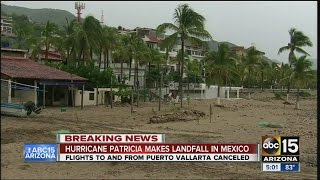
column 135, row 147
column 278, row 153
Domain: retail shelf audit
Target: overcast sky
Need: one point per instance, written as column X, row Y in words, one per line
column 264, row 24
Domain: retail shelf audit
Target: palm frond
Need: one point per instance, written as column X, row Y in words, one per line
column 167, row 26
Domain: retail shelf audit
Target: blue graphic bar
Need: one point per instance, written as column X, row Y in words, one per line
column 40, row 152
column 290, row 167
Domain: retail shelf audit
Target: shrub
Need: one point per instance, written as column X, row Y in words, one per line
column 278, row 96
column 304, row 94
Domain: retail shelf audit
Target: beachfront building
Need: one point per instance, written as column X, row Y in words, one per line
column 53, row 87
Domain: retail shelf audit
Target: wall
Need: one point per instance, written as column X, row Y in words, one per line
column 101, row 96
column 22, row 96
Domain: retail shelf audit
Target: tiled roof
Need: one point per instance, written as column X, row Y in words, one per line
column 15, row 67
column 153, row 38
column 51, row 55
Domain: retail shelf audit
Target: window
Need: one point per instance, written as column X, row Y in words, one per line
column 91, row 96
column 13, row 92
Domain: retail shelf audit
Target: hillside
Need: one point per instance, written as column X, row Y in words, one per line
column 39, row 15
column 213, row 45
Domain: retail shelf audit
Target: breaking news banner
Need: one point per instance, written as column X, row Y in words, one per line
column 110, row 138
column 159, row 152
column 40, row 152
column 280, row 154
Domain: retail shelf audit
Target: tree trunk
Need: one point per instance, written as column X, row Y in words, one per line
column 181, row 70
column 218, row 98
column 160, row 84
column 121, row 71
column 262, row 82
column 249, row 84
column 297, row 101
column 288, row 90
column 144, row 86
column 97, row 100
column 68, row 58
column 111, row 95
column 47, row 48
column 91, row 54
column 188, row 97
column 100, row 58
column 107, row 59
column 138, row 85
column 130, row 68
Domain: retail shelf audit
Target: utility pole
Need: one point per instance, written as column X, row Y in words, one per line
column 79, row 6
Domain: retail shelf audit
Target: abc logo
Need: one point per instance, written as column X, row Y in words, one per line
column 271, row 145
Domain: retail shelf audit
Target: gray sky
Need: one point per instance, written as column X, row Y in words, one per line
column 265, row 24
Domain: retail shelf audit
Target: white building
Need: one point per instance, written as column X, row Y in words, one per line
column 6, row 26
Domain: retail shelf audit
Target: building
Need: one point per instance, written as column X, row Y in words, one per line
column 53, row 57
column 21, row 53
column 6, row 26
column 56, row 87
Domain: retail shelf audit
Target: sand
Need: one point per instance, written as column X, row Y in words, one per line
column 236, row 122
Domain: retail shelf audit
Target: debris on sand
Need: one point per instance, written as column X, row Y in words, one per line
column 186, row 115
column 269, row 125
column 219, row 105
column 288, row 103
column 120, row 104
column 61, row 131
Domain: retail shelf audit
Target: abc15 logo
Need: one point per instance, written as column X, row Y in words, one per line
column 280, row 145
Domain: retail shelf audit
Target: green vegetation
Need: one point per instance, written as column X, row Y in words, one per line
column 189, row 25
column 78, row 42
column 41, row 16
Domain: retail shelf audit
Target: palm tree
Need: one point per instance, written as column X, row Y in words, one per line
column 189, row 25
column 297, row 40
column 219, row 66
column 120, row 54
column 70, row 39
column 286, row 79
column 193, row 70
column 93, row 30
column 48, row 35
column 302, row 73
column 263, row 67
column 108, row 42
column 251, row 58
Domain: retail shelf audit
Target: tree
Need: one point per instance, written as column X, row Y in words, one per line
column 108, row 42
column 263, row 68
column 48, row 36
column 251, row 59
column 189, row 25
column 121, row 54
column 219, row 66
column 297, row 40
column 93, row 30
column 302, row 73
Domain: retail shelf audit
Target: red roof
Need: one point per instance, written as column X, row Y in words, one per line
column 153, row 38
column 51, row 55
column 16, row 67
